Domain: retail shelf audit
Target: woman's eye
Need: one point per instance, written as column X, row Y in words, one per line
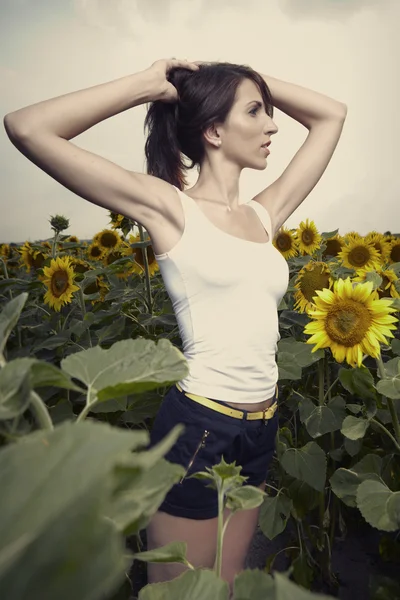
column 254, row 110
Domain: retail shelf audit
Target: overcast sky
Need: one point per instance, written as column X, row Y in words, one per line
column 348, row 49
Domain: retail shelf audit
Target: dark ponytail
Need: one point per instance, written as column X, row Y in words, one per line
column 175, row 130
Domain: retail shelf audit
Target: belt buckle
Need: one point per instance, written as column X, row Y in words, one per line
column 265, row 420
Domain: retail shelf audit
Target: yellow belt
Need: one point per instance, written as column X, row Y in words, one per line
column 266, row 414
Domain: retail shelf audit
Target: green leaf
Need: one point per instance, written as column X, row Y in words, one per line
column 244, row 498
column 274, row 514
column 319, row 420
column 379, row 506
column 128, row 367
column 197, row 585
column 55, row 486
column 287, row 590
column 352, row 447
column 354, row 428
column 345, row 482
column 175, row 552
column 253, row 584
column 9, row 317
column 390, row 385
column 307, row 464
column 15, row 390
column 142, row 481
column 358, row 381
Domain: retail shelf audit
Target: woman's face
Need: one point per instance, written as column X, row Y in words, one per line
column 247, row 128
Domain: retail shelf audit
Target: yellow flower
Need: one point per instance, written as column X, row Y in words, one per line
column 31, row 257
column 359, row 254
column 138, row 255
column 95, row 252
column 350, row 321
column 387, row 289
column 315, row 275
column 59, row 279
column 108, row 240
column 394, row 251
column 285, row 241
column 334, row 245
column 97, row 286
column 308, row 238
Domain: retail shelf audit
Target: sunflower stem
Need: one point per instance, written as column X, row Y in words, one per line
column 146, row 271
column 321, row 381
column 41, row 413
column 6, row 276
column 391, row 407
column 82, row 302
column 383, row 428
column 53, row 247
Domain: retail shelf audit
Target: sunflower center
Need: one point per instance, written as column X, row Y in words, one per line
column 348, row 322
column 312, row 281
column 395, row 253
column 359, row 256
column 307, row 237
column 284, row 242
column 59, row 283
column 109, row 240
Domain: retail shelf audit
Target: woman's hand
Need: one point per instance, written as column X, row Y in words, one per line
column 164, row 90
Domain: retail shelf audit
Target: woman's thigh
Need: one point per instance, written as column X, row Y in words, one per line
column 199, row 535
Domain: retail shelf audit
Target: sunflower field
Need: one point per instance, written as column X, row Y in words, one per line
column 89, row 345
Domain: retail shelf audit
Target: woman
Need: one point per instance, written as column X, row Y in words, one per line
column 224, row 276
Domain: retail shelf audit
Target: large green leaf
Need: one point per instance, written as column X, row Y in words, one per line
column 354, row 428
column 200, row 584
column 142, row 482
column 379, row 506
column 307, row 464
column 253, row 584
column 15, row 390
column 55, row 486
column 274, row 514
column 129, row 366
column 9, row 317
column 319, row 420
column 345, row 482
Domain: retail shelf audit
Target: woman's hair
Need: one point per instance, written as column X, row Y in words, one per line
column 206, row 96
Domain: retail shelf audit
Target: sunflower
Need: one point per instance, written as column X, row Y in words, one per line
column 97, row 287
column 32, row 258
column 5, row 250
column 46, row 244
column 116, row 219
column 308, row 238
column 95, row 252
column 359, row 254
column 315, row 275
column 108, row 240
column 138, row 256
column 122, row 271
column 387, row 289
column 72, row 239
column 350, row 321
column 394, row 251
column 79, row 266
column 334, row 245
column 59, row 279
column 285, row 241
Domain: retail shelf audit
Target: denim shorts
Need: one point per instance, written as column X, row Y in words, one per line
column 208, row 435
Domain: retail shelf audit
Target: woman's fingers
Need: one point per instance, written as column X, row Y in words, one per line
column 185, row 64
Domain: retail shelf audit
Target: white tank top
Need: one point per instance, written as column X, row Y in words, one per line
column 225, row 292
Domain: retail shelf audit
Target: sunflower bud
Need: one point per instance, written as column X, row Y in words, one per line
column 59, row 223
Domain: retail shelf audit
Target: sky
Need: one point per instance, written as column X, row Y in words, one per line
column 347, row 49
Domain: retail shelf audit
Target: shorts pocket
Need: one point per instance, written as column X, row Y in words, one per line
column 193, row 450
